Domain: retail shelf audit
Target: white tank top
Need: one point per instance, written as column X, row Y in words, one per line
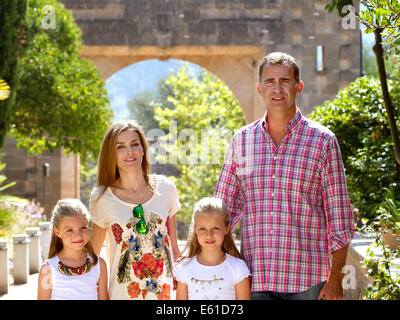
column 82, row 287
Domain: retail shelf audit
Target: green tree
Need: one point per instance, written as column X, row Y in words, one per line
column 61, row 101
column 369, row 61
column 201, row 123
column 391, row 57
column 87, row 180
column 12, row 18
column 7, row 204
column 141, row 106
column 357, row 116
column 382, row 17
column 394, row 58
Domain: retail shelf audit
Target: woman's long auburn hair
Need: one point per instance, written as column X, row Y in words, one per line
column 68, row 208
column 206, row 206
column 107, row 171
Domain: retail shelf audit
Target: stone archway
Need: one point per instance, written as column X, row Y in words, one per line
column 236, row 66
column 228, row 38
column 225, row 37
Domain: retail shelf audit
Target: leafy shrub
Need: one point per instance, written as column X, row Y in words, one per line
column 389, row 212
column 206, row 110
column 358, row 118
column 379, row 264
column 16, row 213
column 386, row 283
column 15, row 217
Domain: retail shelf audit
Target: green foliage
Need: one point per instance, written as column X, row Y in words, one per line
column 4, row 90
column 141, row 106
column 338, row 4
column 382, row 14
column 7, row 205
column 369, row 66
column 201, row 123
column 393, row 57
column 12, row 17
column 386, row 284
column 142, row 110
column 380, row 259
column 62, row 100
column 87, row 180
column 377, row 14
column 358, row 118
column 388, row 212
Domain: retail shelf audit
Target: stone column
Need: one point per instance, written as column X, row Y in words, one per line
column 21, row 258
column 4, row 269
column 34, row 249
column 46, row 230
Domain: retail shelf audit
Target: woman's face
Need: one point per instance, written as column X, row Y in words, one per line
column 130, row 151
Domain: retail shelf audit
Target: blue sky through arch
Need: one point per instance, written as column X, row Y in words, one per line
column 138, row 77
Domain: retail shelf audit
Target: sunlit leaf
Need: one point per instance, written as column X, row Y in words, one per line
column 4, row 90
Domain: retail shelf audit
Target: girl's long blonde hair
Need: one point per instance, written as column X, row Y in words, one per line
column 107, row 171
column 205, row 206
column 68, row 208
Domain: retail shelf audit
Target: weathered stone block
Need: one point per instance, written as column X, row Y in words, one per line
column 229, row 4
column 16, row 174
column 251, row 4
column 297, row 13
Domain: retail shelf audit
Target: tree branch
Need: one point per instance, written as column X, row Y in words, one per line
column 378, row 50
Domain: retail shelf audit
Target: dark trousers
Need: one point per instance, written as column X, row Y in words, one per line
column 310, row 294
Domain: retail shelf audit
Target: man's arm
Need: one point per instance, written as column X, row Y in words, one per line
column 333, row 289
column 340, row 219
column 228, row 188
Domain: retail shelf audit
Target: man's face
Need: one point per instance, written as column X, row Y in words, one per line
column 278, row 88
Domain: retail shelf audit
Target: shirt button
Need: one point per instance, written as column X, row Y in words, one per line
column 273, row 176
column 272, row 195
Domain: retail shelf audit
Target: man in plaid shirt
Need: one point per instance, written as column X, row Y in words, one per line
column 284, row 175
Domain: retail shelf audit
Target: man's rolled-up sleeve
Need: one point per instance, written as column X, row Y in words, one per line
column 339, row 214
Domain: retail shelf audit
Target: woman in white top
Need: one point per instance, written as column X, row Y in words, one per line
column 213, row 269
column 73, row 271
column 135, row 213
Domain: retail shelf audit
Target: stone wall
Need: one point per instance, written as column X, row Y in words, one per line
column 293, row 26
column 227, row 37
column 27, row 171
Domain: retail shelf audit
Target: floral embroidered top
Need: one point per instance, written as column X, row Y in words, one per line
column 140, row 264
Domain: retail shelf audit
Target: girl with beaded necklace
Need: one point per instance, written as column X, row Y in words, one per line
column 72, row 270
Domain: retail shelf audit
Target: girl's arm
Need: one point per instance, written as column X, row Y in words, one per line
column 172, row 236
column 243, row 289
column 182, row 291
column 44, row 283
column 103, row 281
column 97, row 238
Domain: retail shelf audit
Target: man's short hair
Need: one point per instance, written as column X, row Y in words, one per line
column 274, row 58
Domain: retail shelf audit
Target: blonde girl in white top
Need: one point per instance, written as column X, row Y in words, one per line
column 72, row 271
column 213, row 269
